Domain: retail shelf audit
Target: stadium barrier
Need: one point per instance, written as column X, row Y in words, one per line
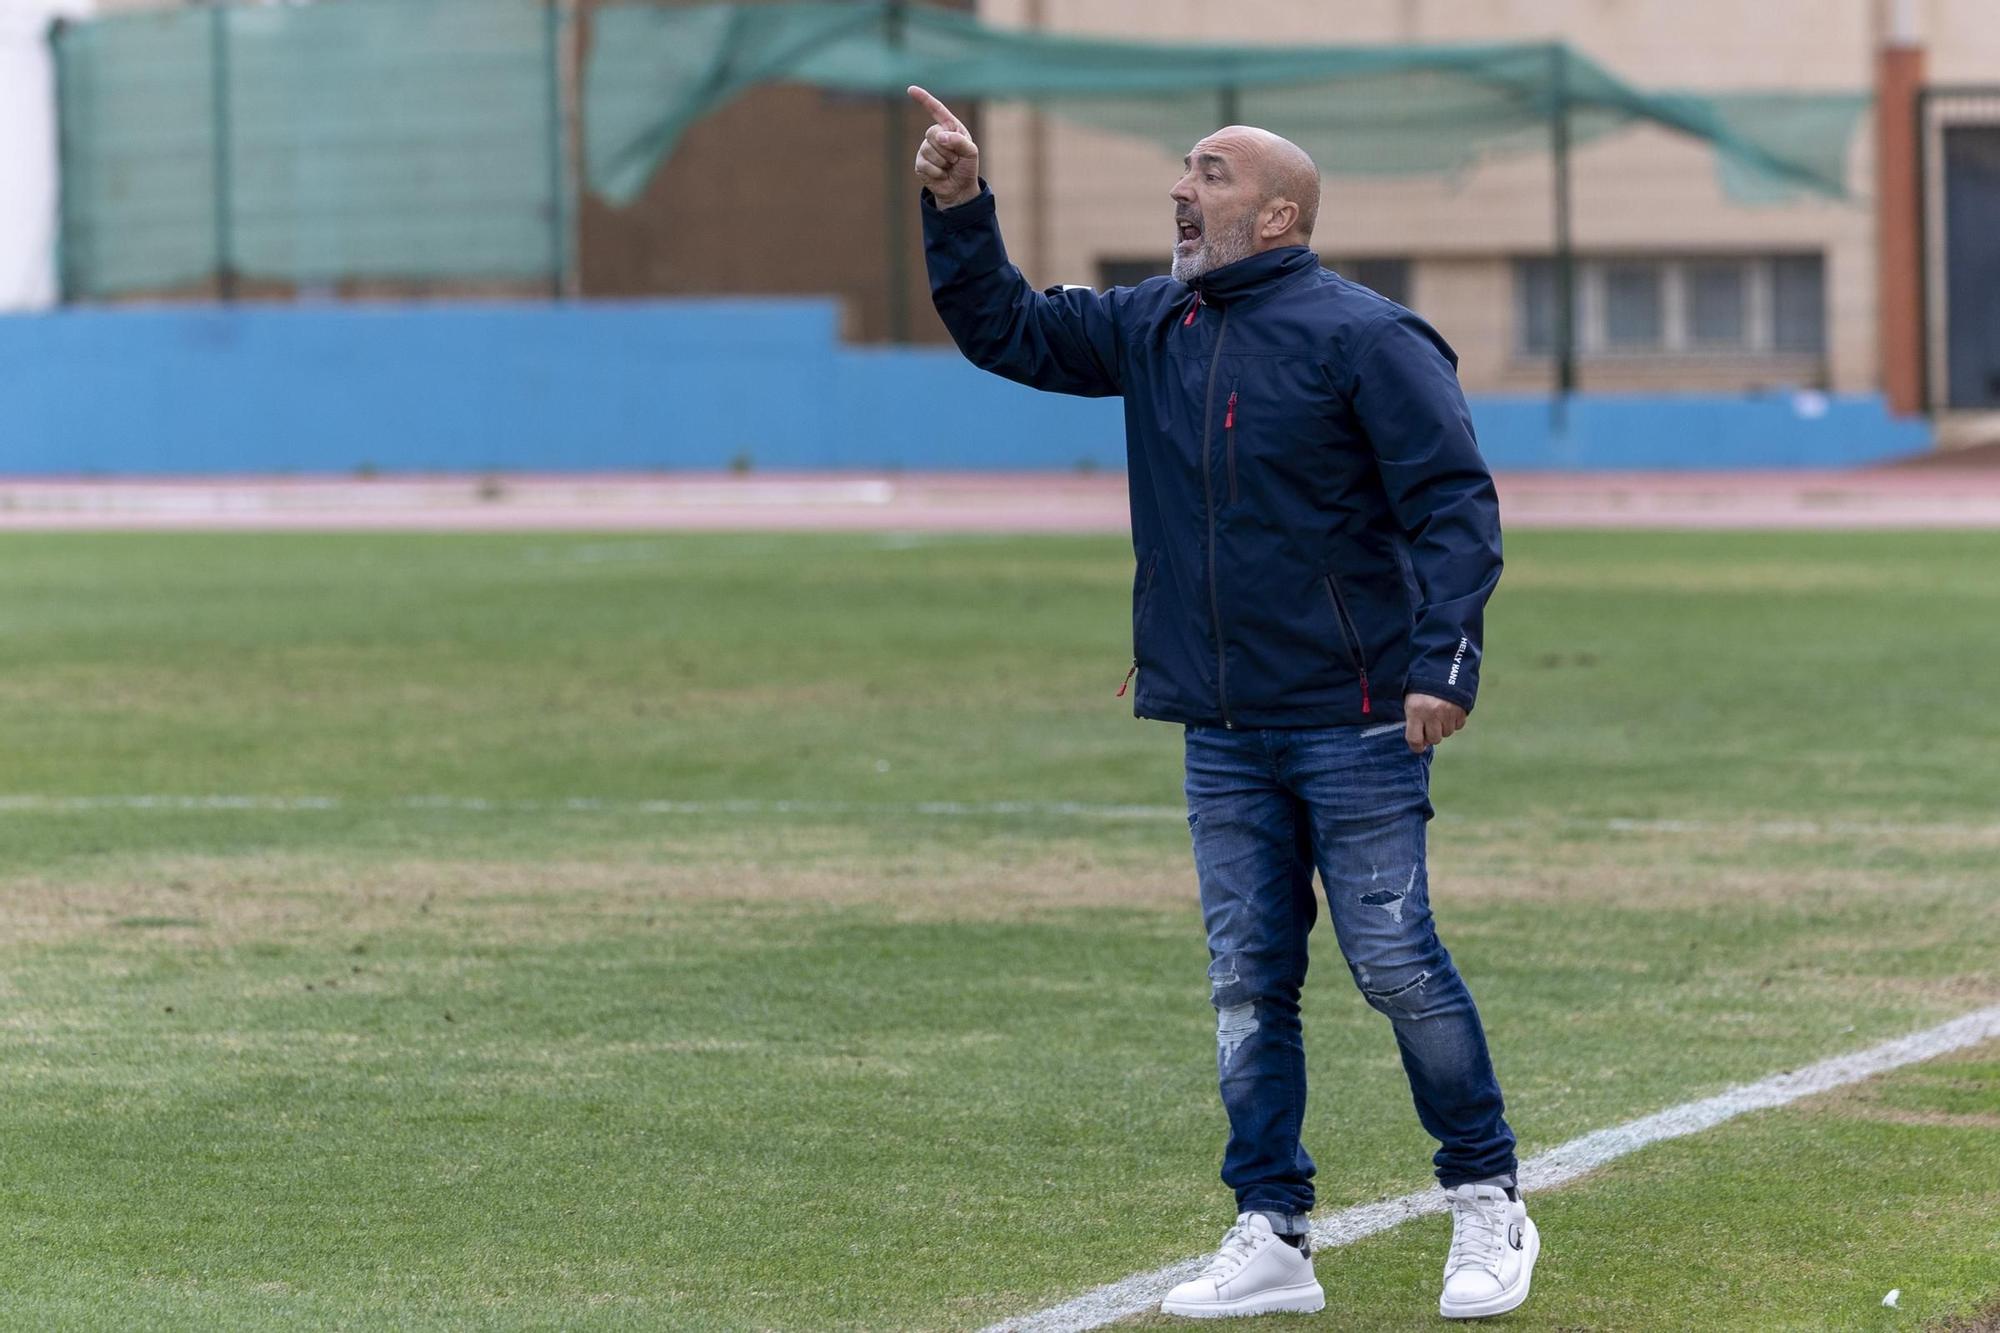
column 692, row 385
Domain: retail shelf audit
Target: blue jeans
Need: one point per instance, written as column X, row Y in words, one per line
column 1266, row 808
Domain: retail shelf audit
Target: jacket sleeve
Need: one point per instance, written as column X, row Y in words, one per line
column 1406, row 393
column 1063, row 340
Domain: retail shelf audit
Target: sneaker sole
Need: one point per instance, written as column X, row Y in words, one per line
column 1509, row 1299
column 1301, row 1299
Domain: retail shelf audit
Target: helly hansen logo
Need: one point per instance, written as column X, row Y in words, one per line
column 1458, row 659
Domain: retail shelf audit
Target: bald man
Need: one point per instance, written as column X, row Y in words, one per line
column 1316, row 538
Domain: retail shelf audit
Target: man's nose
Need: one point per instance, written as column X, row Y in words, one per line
column 1182, row 193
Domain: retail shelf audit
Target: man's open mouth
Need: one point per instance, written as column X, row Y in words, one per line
column 1187, row 231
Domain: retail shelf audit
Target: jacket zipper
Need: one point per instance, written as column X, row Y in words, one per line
column 1348, row 635
column 1208, row 503
column 1229, row 428
column 1145, row 596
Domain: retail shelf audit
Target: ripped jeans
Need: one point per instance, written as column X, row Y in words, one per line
column 1266, row 808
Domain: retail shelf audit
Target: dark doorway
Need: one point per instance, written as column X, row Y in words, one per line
column 1971, row 160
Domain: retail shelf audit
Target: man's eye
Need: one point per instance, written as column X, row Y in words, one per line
column 1212, row 177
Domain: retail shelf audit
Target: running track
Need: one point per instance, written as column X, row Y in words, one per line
column 951, row 502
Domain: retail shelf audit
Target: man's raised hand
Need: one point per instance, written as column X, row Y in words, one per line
column 947, row 159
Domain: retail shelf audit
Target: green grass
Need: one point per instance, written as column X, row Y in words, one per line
column 1800, row 1219
column 384, row 1065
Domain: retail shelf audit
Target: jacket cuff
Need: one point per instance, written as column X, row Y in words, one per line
column 962, row 244
column 974, row 211
column 1435, row 685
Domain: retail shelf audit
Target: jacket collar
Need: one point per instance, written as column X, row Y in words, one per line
column 1258, row 276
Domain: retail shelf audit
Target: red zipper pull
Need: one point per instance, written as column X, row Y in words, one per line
column 1128, row 679
column 1193, row 306
column 1364, row 693
column 1229, row 422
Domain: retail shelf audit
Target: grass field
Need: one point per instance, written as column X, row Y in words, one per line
column 415, row 1014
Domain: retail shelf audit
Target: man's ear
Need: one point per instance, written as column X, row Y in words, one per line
column 1280, row 218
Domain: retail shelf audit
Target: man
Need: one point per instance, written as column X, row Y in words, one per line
column 1316, row 539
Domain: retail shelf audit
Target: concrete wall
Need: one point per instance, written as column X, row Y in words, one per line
column 686, row 385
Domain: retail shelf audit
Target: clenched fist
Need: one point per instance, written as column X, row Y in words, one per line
column 947, row 159
column 1428, row 720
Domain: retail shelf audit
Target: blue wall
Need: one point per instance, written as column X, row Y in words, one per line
column 684, row 385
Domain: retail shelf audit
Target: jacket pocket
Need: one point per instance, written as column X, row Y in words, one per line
column 1139, row 606
column 1145, row 600
column 1229, row 442
column 1349, row 636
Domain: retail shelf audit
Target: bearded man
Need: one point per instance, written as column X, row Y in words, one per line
column 1316, row 539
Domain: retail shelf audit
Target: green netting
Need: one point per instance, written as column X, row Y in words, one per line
column 1390, row 110
column 386, row 139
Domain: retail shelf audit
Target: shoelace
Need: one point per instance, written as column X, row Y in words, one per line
column 1239, row 1243
column 1478, row 1234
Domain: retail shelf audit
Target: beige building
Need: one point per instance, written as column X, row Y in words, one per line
column 1678, row 287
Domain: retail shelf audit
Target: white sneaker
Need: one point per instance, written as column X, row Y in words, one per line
column 1255, row 1272
column 1493, row 1249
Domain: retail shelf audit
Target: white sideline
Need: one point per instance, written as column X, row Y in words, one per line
column 1557, row 1166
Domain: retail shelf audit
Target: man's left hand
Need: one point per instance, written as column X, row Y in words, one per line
column 1428, row 719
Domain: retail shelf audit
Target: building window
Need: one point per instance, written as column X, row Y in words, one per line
column 1633, row 313
column 1715, row 305
column 1798, row 304
column 1129, row 272
column 1756, row 305
column 1535, row 306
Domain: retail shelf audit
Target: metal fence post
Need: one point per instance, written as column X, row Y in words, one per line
column 555, row 25
column 66, row 169
column 895, row 184
column 221, row 114
column 1565, row 265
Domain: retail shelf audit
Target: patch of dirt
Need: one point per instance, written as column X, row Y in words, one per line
column 1971, row 990
column 234, row 902
column 1716, row 865
column 1870, row 1099
column 1892, row 1116
column 1985, row 1321
column 1618, row 883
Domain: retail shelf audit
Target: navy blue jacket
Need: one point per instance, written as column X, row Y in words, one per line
column 1315, row 530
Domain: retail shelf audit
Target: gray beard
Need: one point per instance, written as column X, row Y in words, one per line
column 1217, row 250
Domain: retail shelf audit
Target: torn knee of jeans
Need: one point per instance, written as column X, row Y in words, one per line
column 1388, row 900
column 1226, row 986
column 1391, row 900
column 1234, row 1025
column 1395, row 1001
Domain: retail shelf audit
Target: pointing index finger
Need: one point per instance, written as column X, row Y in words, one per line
column 939, row 112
